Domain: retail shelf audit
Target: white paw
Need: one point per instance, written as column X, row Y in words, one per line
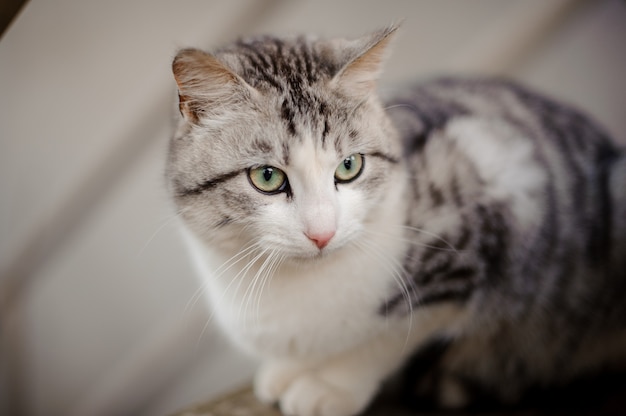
column 309, row 395
column 273, row 378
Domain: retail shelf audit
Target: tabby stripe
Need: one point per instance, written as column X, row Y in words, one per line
column 287, row 115
column 575, row 131
column 493, row 242
column 308, row 61
column 450, row 295
column 437, row 247
column 443, row 274
column 427, row 276
column 384, row 157
column 432, row 112
column 325, row 132
column 436, row 195
column 262, row 66
column 544, row 247
column 464, row 238
column 285, row 154
column 599, row 240
column 456, row 191
column 212, row 183
column 301, row 66
column 323, row 112
column 268, row 64
column 549, row 113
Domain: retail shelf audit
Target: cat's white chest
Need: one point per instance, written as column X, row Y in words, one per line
column 318, row 309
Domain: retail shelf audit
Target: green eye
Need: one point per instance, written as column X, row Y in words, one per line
column 268, row 179
column 350, row 168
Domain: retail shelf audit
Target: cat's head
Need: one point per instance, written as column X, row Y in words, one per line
column 283, row 143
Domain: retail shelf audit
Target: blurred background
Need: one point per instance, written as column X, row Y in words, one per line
column 98, row 314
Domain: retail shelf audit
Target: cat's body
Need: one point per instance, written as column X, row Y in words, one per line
column 336, row 238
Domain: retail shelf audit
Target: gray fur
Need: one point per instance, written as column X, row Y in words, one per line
column 542, row 291
column 546, row 300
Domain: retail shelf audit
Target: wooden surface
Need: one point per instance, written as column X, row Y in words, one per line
column 243, row 403
column 595, row 398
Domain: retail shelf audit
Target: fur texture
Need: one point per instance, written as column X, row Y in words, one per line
column 483, row 216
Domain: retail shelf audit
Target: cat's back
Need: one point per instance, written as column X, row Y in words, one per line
column 541, row 190
column 430, row 105
column 583, row 166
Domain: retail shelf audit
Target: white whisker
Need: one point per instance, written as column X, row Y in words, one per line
column 267, row 277
column 391, row 107
column 409, row 241
column 204, row 329
column 252, row 286
column 397, row 272
column 241, row 276
column 218, row 273
column 167, row 221
column 430, row 234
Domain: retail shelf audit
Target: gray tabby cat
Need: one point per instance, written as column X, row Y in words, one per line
column 337, row 236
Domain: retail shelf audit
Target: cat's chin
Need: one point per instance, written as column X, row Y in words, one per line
column 301, row 257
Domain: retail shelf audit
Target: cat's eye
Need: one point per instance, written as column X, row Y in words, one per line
column 350, row 168
column 268, row 179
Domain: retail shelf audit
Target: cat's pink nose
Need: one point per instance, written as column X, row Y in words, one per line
column 321, row 239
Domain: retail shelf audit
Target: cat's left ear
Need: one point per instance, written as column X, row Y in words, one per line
column 205, row 84
column 365, row 57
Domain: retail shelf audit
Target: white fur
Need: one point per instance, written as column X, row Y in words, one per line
column 311, row 315
column 505, row 163
column 312, row 318
column 323, row 351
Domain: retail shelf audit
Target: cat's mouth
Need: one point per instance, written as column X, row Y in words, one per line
column 307, row 257
column 312, row 256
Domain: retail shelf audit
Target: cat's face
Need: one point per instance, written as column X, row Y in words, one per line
column 293, row 163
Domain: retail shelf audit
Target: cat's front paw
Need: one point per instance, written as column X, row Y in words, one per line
column 310, row 395
column 273, row 379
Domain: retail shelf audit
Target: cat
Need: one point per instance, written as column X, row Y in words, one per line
column 338, row 235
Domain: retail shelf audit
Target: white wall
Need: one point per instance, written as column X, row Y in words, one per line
column 95, row 287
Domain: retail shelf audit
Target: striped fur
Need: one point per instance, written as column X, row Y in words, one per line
column 544, row 291
column 487, row 219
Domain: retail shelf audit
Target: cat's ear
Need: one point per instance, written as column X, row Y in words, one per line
column 365, row 57
column 204, row 83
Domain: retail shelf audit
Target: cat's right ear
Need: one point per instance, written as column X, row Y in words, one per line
column 364, row 64
column 204, row 83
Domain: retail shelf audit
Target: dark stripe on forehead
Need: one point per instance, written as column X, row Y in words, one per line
column 287, row 114
column 325, row 132
column 256, row 66
column 261, row 146
column 308, row 62
column 285, row 154
column 206, row 185
column 300, row 61
column 323, row 109
column 324, row 113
